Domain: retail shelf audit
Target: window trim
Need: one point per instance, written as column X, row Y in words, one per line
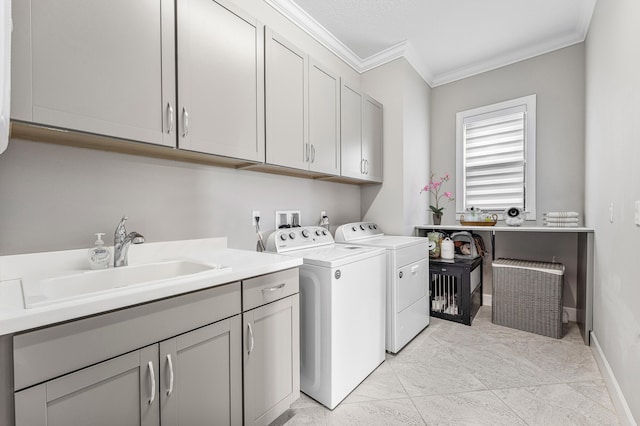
column 529, row 102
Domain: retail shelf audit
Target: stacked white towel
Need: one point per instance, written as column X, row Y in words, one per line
column 561, row 219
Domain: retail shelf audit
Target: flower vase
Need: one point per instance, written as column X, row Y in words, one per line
column 437, row 218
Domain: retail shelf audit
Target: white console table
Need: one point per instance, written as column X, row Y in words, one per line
column 584, row 261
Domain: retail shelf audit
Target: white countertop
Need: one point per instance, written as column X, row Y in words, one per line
column 14, row 317
column 502, row 227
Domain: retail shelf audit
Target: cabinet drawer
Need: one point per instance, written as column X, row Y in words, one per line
column 267, row 288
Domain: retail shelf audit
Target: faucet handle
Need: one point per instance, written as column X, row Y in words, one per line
column 121, row 231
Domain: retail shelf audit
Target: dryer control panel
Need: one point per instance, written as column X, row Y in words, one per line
column 357, row 230
column 288, row 239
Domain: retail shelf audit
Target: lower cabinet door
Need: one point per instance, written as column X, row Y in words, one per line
column 201, row 376
column 121, row 391
column 271, row 360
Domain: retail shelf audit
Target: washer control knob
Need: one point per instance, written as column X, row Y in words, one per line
column 305, row 233
column 318, row 232
column 370, row 226
column 375, row 227
column 324, row 232
column 362, row 227
column 292, row 235
column 354, row 229
column 283, row 237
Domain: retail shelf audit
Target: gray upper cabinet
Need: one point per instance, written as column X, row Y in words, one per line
column 372, row 139
column 220, row 80
column 103, row 67
column 361, row 135
column 302, row 109
column 324, row 119
column 286, row 103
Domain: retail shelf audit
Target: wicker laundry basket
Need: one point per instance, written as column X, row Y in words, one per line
column 527, row 295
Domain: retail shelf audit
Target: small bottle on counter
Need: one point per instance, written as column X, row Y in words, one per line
column 99, row 256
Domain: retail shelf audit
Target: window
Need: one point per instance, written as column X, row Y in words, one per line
column 495, row 157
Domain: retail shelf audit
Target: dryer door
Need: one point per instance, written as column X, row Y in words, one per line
column 413, row 283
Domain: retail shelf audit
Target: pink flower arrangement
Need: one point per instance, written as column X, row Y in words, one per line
column 434, row 187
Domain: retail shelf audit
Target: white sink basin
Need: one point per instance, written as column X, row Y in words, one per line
column 45, row 291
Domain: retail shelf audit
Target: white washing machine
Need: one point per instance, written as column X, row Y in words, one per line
column 342, row 311
column 407, row 279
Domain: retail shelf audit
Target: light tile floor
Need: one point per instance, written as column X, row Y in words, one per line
column 452, row 374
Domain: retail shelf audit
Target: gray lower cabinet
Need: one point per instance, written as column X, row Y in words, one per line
column 163, row 362
column 271, row 346
column 201, row 376
column 192, row 379
column 115, row 392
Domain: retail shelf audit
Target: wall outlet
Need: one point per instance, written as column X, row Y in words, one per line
column 254, row 214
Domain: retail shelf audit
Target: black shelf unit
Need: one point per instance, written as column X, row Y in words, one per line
column 455, row 287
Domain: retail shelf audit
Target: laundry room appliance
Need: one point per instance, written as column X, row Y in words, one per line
column 342, row 310
column 407, row 309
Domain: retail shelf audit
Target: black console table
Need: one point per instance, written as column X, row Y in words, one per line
column 455, row 287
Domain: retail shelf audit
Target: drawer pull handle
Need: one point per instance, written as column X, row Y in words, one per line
column 251, row 340
column 152, row 375
column 170, row 390
column 270, row 289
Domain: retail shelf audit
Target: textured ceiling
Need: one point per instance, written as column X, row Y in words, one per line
column 445, row 40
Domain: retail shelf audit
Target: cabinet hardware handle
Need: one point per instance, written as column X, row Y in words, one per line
column 170, row 118
column 306, row 152
column 366, row 167
column 362, row 166
column 251, row 341
column 313, row 153
column 152, row 375
column 414, row 269
column 170, row 390
column 270, row 289
column 185, row 122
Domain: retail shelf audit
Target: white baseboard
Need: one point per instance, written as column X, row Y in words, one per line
column 569, row 314
column 622, row 408
column 486, row 299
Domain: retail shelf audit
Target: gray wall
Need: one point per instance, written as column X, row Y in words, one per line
column 557, row 78
column 55, row 197
column 397, row 205
column 612, row 157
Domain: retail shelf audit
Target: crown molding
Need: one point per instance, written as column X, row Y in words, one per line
column 506, row 59
column 307, row 23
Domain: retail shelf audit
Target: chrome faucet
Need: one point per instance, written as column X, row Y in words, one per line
column 121, row 242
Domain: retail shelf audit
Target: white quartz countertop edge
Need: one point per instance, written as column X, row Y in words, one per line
column 244, row 264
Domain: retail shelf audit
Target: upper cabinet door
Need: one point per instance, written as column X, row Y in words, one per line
column 220, row 80
column 372, row 139
column 324, row 120
column 286, row 103
column 104, row 67
column 351, row 133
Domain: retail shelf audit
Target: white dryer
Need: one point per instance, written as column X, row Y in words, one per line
column 342, row 311
column 407, row 279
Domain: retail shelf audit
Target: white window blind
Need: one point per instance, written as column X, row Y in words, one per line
column 494, row 157
column 494, row 161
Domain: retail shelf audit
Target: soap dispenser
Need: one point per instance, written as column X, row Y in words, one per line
column 99, row 256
